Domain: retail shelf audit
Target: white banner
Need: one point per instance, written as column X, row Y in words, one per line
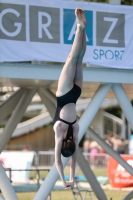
column 44, row 30
column 17, row 160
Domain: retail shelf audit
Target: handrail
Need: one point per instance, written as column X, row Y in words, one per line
column 114, row 118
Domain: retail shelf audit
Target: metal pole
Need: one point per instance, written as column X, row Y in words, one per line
column 124, row 102
column 128, row 196
column 47, row 102
column 5, row 186
column 129, row 131
column 38, row 178
column 84, row 122
column 90, row 177
column 92, row 109
column 49, row 182
column 9, row 105
column 123, row 127
column 16, row 117
column 110, row 151
column 49, row 95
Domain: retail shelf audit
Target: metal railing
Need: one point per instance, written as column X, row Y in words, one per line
column 43, row 163
column 46, row 158
column 38, row 178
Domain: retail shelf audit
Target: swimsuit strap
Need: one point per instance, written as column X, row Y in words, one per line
column 69, row 123
column 69, row 129
column 70, row 132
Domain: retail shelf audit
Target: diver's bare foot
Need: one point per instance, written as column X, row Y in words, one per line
column 80, row 17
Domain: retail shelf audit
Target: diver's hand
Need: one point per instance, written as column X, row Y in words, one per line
column 68, row 185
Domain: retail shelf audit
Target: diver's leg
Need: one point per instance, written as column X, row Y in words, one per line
column 78, row 79
column 67, row 75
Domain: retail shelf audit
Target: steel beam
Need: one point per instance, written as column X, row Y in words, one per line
column 124, row 102
column 128, row 112
column 9, row 105
column 5, row 186
column 84, row 123
column 91, row 178
column 128, row 196
column 49, row 182
column 47, row 101
column 123, row 127
column 110, row 151
column 16, row 117
column 36, row 74
column 92, row 108
column 49, row 95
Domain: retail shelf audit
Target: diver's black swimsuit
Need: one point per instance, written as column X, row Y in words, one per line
column 69, row 97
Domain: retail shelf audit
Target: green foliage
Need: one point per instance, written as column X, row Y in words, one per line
column 127, row 2
column 2, row 125
column 114, row 111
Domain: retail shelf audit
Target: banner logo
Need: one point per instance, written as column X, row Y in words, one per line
column 12, row 22
column 44, row 24
column 110, row 29
column 69, row 26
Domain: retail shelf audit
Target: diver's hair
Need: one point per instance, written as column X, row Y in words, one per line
column 68, row 144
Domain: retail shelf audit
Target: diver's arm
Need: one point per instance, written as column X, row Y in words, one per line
column 58, row 162
column 73, row 162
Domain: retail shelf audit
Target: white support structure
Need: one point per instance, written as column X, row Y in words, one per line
column 128, row 112
column 5, row 186
column 110, row 151
column 124, row 102
column 49, row 95
column 9, row 105
column 47, row 102
column 97, row 123
column 92, row 109
column 123, row 128
column 129, row 131
column 16, row 117
column 90, row 177
column 43, row 75
column 84, row 122
column 128, row 196
column 49, row 182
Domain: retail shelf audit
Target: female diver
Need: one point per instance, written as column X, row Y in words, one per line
column 69, row 89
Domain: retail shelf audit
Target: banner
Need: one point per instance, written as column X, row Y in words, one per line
column 17, row 160
column 45, row 30
column 118, row 176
